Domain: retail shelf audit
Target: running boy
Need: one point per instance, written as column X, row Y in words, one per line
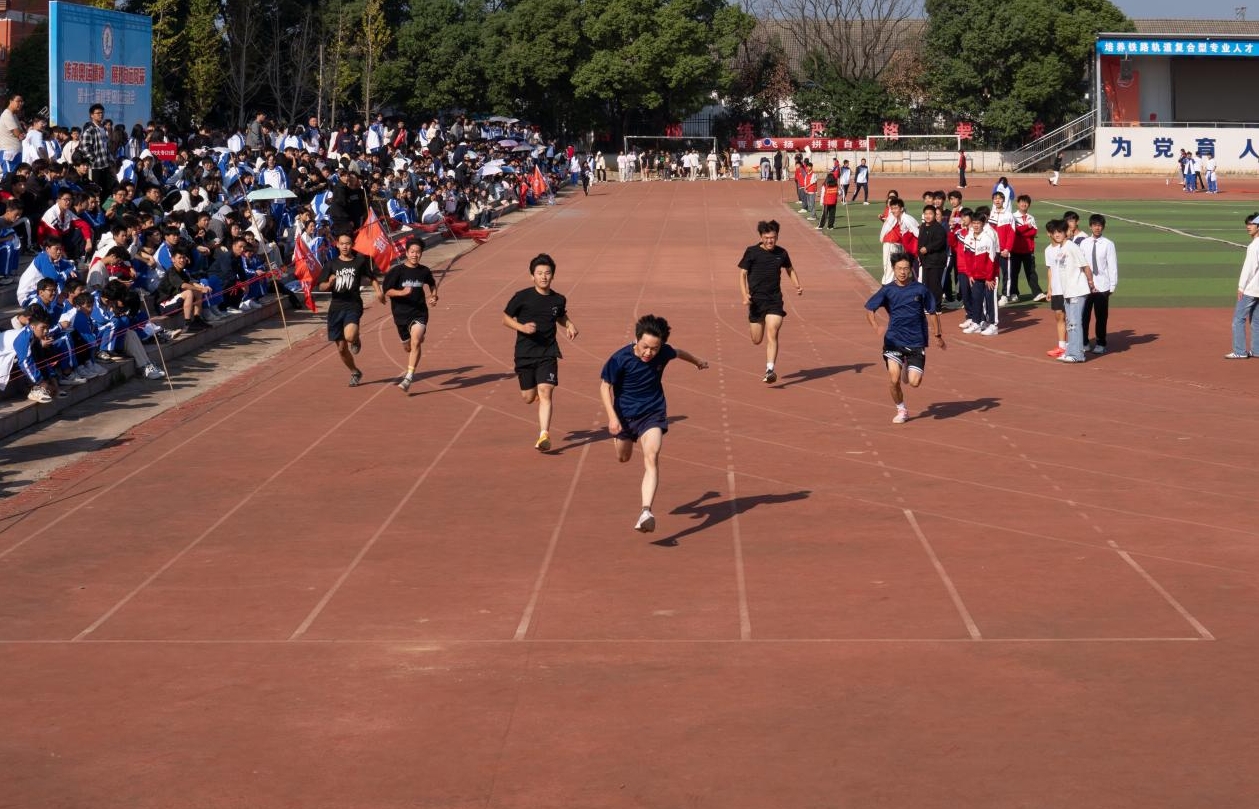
column 410, row 287
column 760, row 281
column 343, row 276
column 533, row 314
column 908, row 303
column 633, row 397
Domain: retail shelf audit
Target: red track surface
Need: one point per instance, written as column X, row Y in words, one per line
column 1040, row 592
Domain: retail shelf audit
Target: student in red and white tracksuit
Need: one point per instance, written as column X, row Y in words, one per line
column 1001, row 220
column 979, row 248
column 896, row 228
column 1023, row 253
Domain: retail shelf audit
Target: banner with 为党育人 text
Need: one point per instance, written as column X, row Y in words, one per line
column 798, row 144
column 1157, row 148
column 97, row 56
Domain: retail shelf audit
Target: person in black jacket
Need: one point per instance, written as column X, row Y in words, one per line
column 178, row 291
column 933, row 250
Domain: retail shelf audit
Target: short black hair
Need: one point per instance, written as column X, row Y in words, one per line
column 767, row 226
column 542, row 259
column 653, row 325
column 1097, row 219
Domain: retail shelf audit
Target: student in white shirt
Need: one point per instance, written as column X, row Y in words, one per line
column 1100, row 254
column 1070, row 276
column 33, row 146
column 1247, row 295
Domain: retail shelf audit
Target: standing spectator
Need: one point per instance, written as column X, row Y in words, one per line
column 1247, row 295
column 736, row 164
column 778, row 165
column 1057, row 170
column 1209, row 167
column 933, row 251
column 33, row 144
column 1070, row 273
column 11, row 134
column 961, row 168
column 863, row 183
column 830, row 201
column 896, row 227
column 1100, row 252
column 979, row 264
column 253, row 134
column 1023, row 249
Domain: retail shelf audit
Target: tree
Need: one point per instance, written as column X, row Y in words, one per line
column 243, row 24
column 169, row 50
column 1008, row 65
column 854, row 39
column 665, row 57
column 849, row 108
column 204, row 66
column 438, row 63
column 376, row 39
column 28, row 69
column 296, row 36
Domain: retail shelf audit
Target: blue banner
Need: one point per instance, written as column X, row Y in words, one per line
column 1213, row 46
column 96, row 56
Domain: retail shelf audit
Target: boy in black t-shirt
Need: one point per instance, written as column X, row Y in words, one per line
column 343, row 277
column 760, row 280
column 533, row 314
column 405, row 287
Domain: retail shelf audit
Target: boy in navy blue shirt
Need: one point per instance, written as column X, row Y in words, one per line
column 908, row 303
column 633, row 396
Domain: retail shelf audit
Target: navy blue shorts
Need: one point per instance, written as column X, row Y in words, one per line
column 633, row 428
column 338, row 320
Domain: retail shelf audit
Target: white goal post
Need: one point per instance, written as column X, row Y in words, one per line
column 918, row 153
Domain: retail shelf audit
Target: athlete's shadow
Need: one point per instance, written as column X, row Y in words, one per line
column 948, row 410
column 712, row 512
column 580, row 438
column 810, row 374
column 1124, row 339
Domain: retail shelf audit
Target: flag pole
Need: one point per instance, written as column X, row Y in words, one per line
column 275, row 283
column 157, row 342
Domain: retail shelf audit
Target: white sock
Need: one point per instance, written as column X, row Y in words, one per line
column 769, row 366
column 1062, row 344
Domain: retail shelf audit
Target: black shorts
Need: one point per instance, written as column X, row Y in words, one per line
column 404, row 327
column 1056, row 304
column 759, row 308
column 632, row 428
column 906, row 356
column 533, row 372
column 338, row 319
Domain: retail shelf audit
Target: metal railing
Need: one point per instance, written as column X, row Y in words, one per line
column 1051, row 143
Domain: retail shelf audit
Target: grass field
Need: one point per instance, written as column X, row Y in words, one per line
column 1173, row 253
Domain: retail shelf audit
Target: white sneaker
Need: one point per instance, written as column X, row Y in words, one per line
column 232, row 310
column 1002, row 301
column 39, row 396
column 1069, row 358
column 1012, row 299
column 901, row 417
column 966, row 324
column 153, row 372
column 973, row 328
column 991, row 331
column 646, row 522
column 72, row 379
column 1099, row 349
column 1040, row 297
column 247, row 306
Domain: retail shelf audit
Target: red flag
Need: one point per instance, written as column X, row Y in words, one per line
column 372, row 241
column 306, row 269
column 537, row 183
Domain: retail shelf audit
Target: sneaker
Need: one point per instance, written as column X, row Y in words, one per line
column 901, row 417
column 153, row 372
column 1012, row 299
column 646, row 522
column 355, row 378
column 543, row 444
column 966, row 324
column 107, row 356
column 232, row 310
column 405, row 383
column 39, row 396
column 991, row 331
column 82, row 373
column 1099, row 349
column 1233, row 355
column 770, row 377
column 249, row 306
column 1055, row 352
column 167, row 335
column 1040, row 296
column 1069, row 358
column 94, row 369
column 72, row 380
column 973, row 328
column 1002, row 301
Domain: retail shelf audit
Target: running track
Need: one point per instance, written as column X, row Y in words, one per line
column 1040, row 592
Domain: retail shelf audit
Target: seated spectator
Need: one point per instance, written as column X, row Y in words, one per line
column 59, row 346
column 116, row 331
column 10, row 242
column 52, row 265
column 58, row 223
column 29, row 350
column 177, row 291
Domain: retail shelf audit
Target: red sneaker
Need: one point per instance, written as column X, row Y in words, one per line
column 1056, row 352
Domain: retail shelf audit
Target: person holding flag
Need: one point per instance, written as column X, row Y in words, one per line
column 343, row 277
column 306, row 269
column 405, row 287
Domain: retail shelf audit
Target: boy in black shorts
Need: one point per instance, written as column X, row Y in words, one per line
column 760, row 280
column 633, row 396
column 405, row 286
column 533, row 314
column 908, row 303
column 343, row 276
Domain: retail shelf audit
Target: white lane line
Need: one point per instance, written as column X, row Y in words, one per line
column 971, row 627
column 1202, row 631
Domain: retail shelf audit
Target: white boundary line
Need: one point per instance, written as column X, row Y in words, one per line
column 740, row 577
column 1150, row 225
column 971, row 627
column 367, row 546
column 1158, row 588
column 522, row 629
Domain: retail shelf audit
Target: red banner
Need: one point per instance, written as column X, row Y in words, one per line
column 794, row 144
column 164, row 151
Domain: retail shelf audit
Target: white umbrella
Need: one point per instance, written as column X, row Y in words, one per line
column 499, row 119
column 508, row 142
column 489, row 171
column 260, row 194
column 525, row 148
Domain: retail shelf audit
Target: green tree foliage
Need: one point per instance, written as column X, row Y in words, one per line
column 436, row 66
column 529, row 52
column 850, row 108
column 203, row 75
column 28, row 71
column 664, row 56
column 1008, row 65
